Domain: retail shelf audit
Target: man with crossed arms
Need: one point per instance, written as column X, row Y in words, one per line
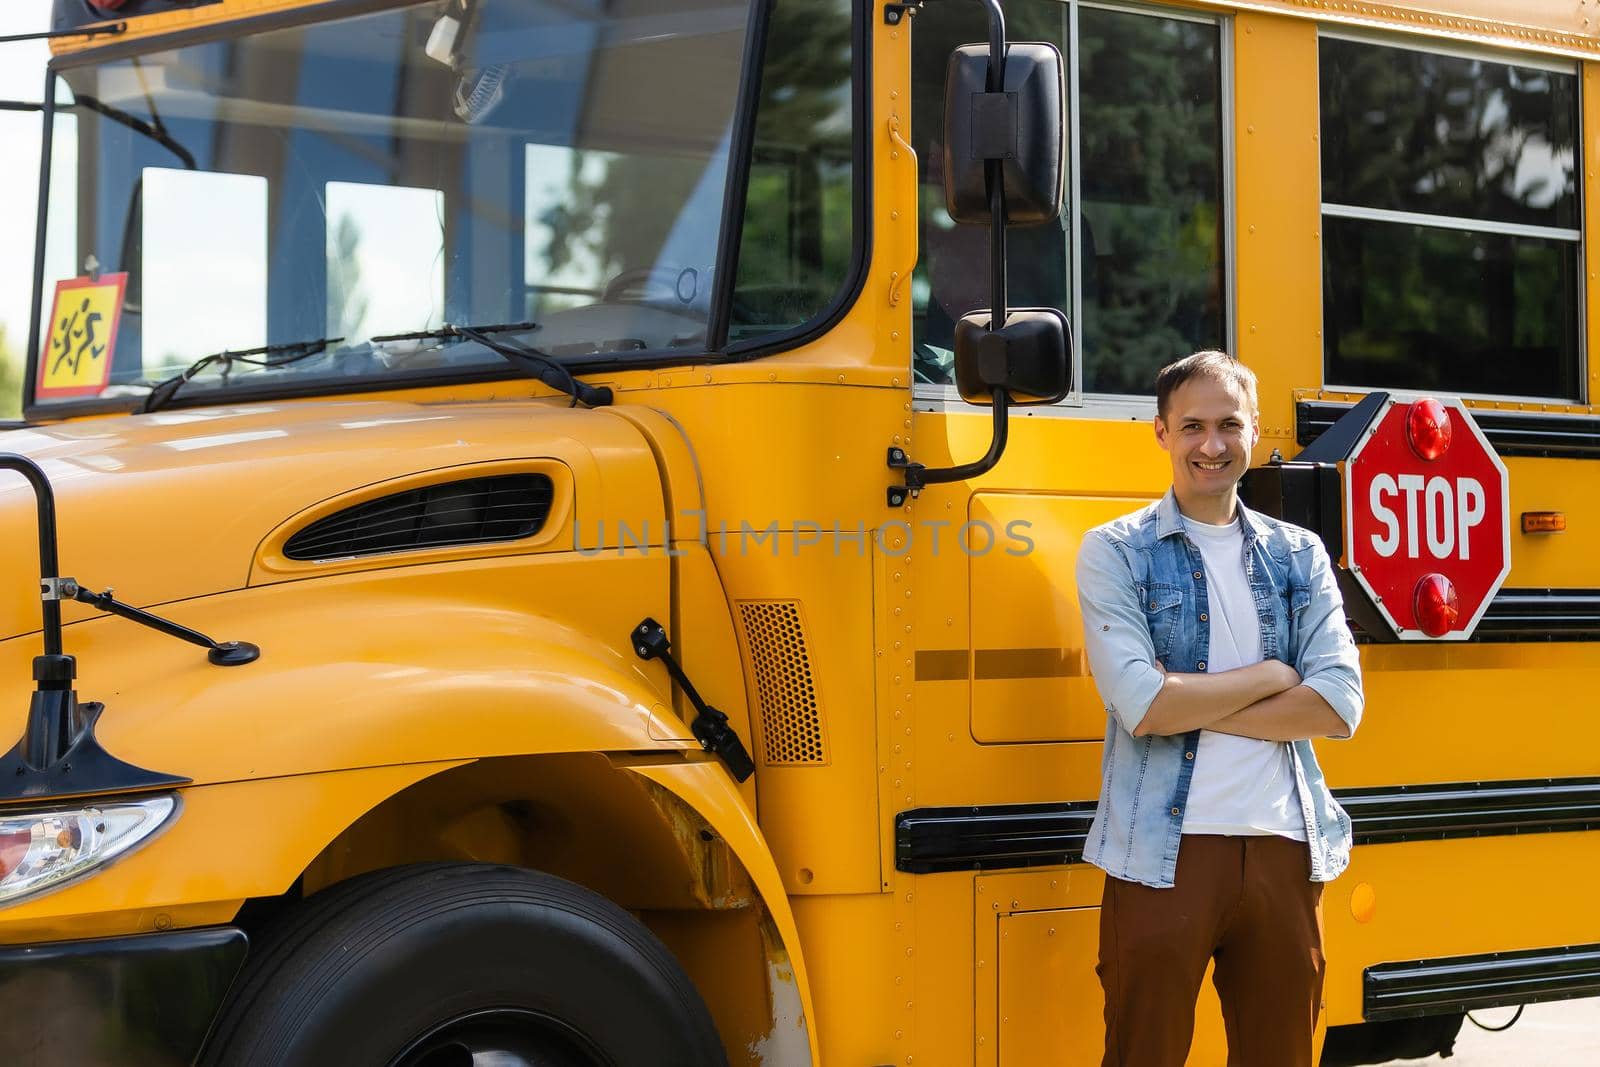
column 1218, row 642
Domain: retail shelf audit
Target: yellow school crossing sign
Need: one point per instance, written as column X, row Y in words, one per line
column 81, row 337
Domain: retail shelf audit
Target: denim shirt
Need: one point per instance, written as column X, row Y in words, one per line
column 1142, row 591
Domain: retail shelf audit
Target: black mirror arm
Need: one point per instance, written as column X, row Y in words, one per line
column 49, row 565
column 53, row 588
column 101, row 30
column 222, row 653
column 918, row 476
column 994, row 170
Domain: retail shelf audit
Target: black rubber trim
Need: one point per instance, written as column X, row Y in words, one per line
column 1512, row 433
column 1541, row 615
column 996, row 836
column 1000, row 836
column 1467, row 983
column 1392, row 814
column 152, row 997
column 844, row 299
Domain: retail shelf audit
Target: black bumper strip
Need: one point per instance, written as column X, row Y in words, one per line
column 992, row 837
column 151, row 997
column 1541, row 615
column 999, row 836
column 1471, row 809
column 1467, row 983
column 1513, row 433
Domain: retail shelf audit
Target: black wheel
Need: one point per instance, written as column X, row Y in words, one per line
column 462, row 965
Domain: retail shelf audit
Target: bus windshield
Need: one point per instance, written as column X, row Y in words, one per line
column 498, row 161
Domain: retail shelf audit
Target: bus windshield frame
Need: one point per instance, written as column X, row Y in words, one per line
column 650, row 297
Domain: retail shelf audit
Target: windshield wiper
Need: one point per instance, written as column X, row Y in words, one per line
column 163, row 391
column 156, row 131
column 532, row 362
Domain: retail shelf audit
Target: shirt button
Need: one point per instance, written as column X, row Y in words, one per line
column 1188, row 755
column 1152, row 605
column 1197, row 574
column 1175, row 811
column 1201, row 664
column 1202, row 616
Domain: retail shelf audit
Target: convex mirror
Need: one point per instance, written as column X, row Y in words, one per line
column 1023, row 127
column 1029, row 357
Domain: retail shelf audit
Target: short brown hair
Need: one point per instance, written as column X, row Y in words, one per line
column 1218, row 366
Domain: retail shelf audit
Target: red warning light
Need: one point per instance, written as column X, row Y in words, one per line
column 1428, row 428
column 1435, row 605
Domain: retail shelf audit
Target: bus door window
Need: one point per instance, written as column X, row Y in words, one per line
column 1144, row 279
column 798, row 236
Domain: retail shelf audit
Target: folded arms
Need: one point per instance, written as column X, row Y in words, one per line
column 1270, row 700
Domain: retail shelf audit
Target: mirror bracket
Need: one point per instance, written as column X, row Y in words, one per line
column 919, row 477
column 894, row 14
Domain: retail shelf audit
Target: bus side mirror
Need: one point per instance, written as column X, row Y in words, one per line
column 1023, row 127
column 1029, row 357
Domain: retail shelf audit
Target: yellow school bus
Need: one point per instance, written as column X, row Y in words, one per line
column 560, row 613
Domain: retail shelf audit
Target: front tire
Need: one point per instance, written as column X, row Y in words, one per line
column 442, row 965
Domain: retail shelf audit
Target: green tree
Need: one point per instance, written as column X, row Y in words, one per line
column 347, row 301
column 10, row 380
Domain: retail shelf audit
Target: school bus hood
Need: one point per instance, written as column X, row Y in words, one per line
column 175, row 505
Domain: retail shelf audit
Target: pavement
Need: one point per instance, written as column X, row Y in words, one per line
column 1561, row 1034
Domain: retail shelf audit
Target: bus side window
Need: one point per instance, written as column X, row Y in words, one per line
column 1451, row 220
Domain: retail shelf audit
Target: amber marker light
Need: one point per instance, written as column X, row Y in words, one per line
column 1428, row 428
column 1436, row 605
column 1543, row 522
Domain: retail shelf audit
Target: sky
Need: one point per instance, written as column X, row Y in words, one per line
column 21, row 78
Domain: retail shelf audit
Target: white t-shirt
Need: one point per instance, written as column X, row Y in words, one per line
column 1241, row 785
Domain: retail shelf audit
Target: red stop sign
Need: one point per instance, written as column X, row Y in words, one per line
column 1427, row 518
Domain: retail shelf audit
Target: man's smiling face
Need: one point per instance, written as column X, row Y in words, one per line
column 1209, row 431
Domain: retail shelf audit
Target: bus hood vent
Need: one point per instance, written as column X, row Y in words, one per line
column 469, row 512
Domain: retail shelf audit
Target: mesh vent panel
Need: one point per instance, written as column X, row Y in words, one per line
column 473, row 511
column 791, row 720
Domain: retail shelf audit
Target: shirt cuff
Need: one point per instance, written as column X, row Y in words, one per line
column 1341, row 696
column 1137, row 689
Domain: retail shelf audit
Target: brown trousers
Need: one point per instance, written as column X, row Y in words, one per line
column 1248, row 903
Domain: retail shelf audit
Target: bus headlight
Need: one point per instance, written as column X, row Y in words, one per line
column 41, row 850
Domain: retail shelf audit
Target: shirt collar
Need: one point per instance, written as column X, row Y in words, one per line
column 1169, row 520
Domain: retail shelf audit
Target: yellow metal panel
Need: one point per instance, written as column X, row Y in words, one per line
column 1051, row 1007
column 1278, row 182
column 708, row 789
column 866, row 981
column 1568, row 28
column 1465, row 713
column 1457, row 898
column 227, row 843
column 819, row 818
column 1030, row 673
column 355, row 670
column 133, row 493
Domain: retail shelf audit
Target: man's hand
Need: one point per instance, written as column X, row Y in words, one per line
column 1195, row 701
